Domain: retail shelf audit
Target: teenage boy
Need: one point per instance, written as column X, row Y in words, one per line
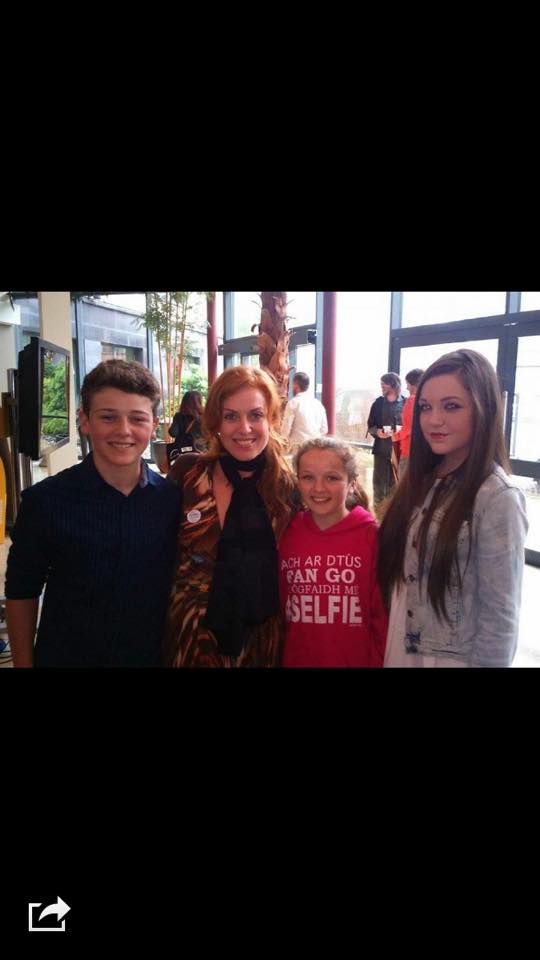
column 101, row 535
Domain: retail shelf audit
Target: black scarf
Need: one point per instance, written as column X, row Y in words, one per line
column 244, row 590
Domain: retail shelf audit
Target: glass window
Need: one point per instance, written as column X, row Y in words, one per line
column 250, row 360
column 28, row 319
column 422, row 357
column 110, row 351
column 129, row 301
column 219, row 315
column 528, row 651
column 363, row 325
column 525, row 436
column 197, row 316
column 247, row 312
column 301, row 310
column 305, row 363
column 531, row 489
column 220, row 328
column 530, row 301
column 420, row 309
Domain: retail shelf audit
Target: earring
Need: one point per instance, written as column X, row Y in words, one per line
column 218, row 435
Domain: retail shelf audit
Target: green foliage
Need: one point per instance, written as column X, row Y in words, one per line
column 194, row 379
column 55, row 402
column 168, row 317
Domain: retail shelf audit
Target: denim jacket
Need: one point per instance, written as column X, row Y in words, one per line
column 484, row 614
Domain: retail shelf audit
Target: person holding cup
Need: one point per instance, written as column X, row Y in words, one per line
column 384, row 418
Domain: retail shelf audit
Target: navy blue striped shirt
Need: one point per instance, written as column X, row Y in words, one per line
column 107, row 561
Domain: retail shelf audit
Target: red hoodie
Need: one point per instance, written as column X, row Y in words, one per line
column 329, row 593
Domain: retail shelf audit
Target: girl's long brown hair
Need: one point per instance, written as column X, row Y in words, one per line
column 192, row 404
column 457, row 494
column 277, row 483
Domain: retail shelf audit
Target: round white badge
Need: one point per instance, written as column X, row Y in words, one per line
column 193, row 516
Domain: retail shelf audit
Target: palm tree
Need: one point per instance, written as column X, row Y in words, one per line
column 273, row 340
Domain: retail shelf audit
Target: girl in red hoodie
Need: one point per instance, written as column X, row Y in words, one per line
column 328, row 561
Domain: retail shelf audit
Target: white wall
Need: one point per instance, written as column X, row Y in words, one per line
column 55, row 326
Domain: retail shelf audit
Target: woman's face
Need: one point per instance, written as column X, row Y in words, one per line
column 446, row 418
column 244, row 424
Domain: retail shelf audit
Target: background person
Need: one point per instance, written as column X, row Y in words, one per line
column 404, row 436
column 186, row 426
column 304, row 416
column 385, row 411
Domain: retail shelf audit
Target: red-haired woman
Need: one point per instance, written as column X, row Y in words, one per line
column 237, row 499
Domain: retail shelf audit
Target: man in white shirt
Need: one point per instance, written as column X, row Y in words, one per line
column 304, row 416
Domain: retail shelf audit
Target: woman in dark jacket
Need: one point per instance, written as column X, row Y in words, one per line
column 186, row 426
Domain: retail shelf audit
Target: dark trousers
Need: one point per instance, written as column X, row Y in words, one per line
column 383, row 478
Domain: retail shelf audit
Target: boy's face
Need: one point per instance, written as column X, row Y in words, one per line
column 120, row 426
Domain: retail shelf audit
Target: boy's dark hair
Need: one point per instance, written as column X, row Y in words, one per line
column 302, row 380
column 392, row 379
column 413, row 376
column 127, row 375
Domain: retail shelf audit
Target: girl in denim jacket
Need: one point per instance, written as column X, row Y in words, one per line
column 451, row 544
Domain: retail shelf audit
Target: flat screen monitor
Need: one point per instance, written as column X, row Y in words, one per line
column 43, row 397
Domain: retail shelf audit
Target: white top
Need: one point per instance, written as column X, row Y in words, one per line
column 304, row 418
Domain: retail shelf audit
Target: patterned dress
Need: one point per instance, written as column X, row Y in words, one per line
column 187, row 642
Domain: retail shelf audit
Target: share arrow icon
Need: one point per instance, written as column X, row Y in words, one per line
column 58, row 909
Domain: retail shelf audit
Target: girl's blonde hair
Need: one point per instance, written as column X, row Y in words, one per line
column 277, row 483
column 357, row 496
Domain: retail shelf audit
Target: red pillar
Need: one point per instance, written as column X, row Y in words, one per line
column 329, row 358
column 211, row 340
